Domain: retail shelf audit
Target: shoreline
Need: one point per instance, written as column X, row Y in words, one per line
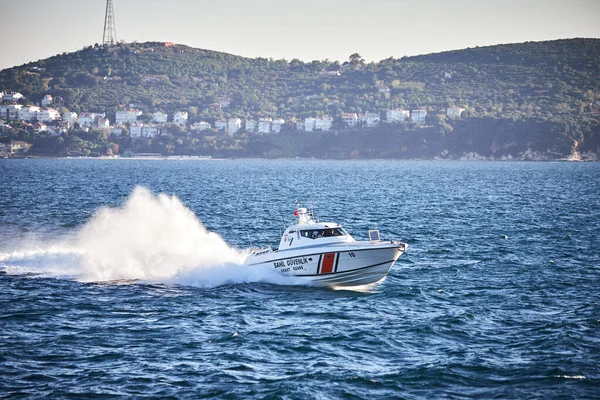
column 208, row 158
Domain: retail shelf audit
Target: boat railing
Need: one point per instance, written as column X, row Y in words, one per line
column 262, row 250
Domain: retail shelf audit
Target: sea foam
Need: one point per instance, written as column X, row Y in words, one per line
column 152, row 238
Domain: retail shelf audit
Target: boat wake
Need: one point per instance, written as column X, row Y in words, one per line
column 152, row 238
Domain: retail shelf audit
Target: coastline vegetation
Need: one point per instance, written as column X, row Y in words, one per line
column 540, row 97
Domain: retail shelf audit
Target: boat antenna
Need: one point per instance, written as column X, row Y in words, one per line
column 250, row 240
column 312, row 212
column 282, row 221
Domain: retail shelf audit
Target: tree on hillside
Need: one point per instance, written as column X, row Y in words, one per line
column 356, row 59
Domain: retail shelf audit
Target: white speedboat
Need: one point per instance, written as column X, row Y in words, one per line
column 324, row 253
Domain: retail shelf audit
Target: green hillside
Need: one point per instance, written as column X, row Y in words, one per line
column 535, row 95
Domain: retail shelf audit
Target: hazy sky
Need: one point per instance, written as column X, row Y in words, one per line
column 307, row 29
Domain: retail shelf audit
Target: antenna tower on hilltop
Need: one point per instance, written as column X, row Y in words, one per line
column 110, row 31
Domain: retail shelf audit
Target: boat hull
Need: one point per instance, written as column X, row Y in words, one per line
column 335, row 266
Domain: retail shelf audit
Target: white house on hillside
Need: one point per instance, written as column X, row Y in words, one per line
column 350, row 119
column 250, row 126
column 276, row 125
column 397, row 115
column 10, row 111
column 220, row 125
column 323, row 123
column 264, row 125
column 454, row 112
column 180, row 118
column 89, row 119
column 122, row 117
column 47, row 100
column 103, row 123
column 141, row 130
column 418, row 116
column 234, row 125
column 70, row 117
column 159, row 117
column 47, row 115
column 135, row 130
column 200, row 126
column 309, row 124
column 149, row 131
column 39, row 127
column 370, row 119
column 29, row 113
column 12, row 96
column 86, row 119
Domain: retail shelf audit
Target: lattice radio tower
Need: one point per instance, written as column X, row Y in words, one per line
column 110, row 31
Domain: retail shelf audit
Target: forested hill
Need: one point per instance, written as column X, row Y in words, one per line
column 547, row 87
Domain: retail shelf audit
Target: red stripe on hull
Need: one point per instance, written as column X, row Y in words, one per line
column 328, row 262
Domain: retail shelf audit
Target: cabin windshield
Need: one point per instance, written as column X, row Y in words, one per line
column 322, row 233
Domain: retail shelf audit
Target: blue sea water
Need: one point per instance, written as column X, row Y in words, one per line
column 122, row 278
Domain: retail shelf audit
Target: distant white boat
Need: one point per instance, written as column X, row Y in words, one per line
column 324, row 253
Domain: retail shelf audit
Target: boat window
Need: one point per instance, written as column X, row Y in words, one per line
column 321, row 233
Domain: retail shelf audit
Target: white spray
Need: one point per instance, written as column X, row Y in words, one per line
column 150, row 238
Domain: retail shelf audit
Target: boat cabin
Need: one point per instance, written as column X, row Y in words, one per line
column 307, row 232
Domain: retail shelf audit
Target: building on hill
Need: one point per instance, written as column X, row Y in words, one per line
column 55, row 131
column 276, row 125
column 397, row 115
column 323, row 123
column 70, row 117
column 127, row 116
column 159, row 117
column 89, row 119
column 418, row 116
column 370, row 119
column 454, row 112
column 86, row 119
column 47, row 115
column 264, row 125
column 180, row 118
column 29, row 113
column 47, row 100
column 12, row 96
column 234, row 125
column 220, row 125
column 10, row 112
column 250, row 126
column 224, row 101
column 135, row 129
column 350, row 119
column 150, row 131
column 200, row 126
column 39, row 127
column 103, row 123
column 309, row 124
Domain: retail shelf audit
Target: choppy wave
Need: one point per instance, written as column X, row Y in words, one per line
column 497, row 296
